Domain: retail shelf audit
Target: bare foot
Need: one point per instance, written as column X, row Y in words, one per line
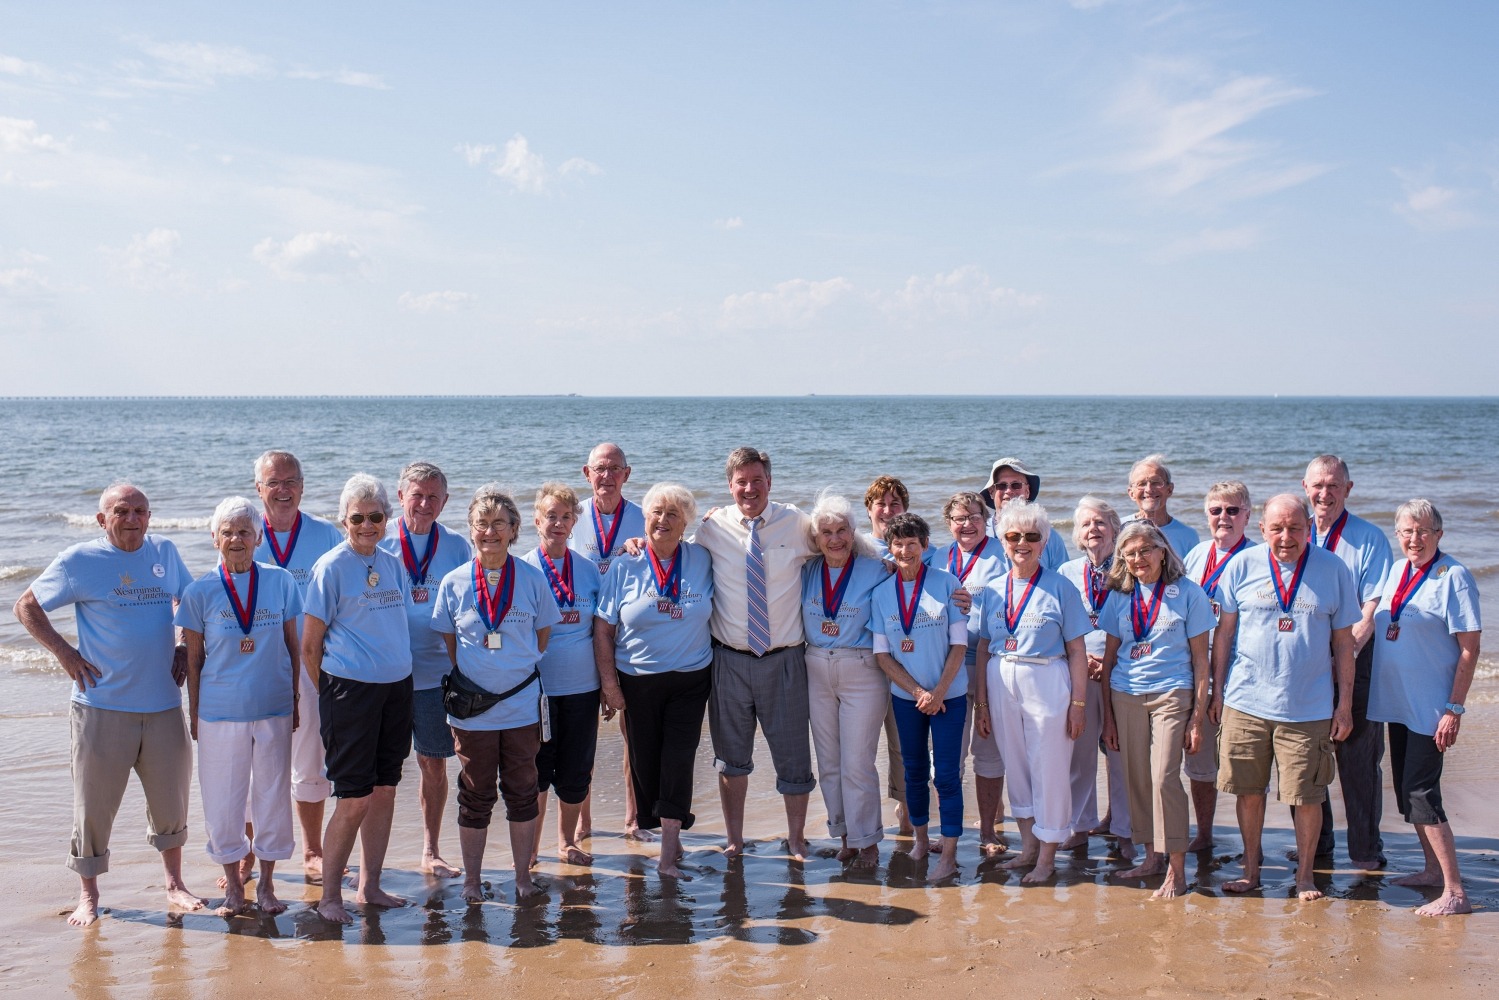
column 1102, row 829
column 733, row 849
column 1073, row 842
column 312, row 865
column 234, row 902
column 474, row 892
column 1040, row 873
column 1307, row 892
column 868, row 858
column 1421, row 878
column 946, row 869
column 332, row 910
column 1022, row 860
column 1374, row 865
column 526, row 889
column 667, row 868
column 180, row 899
column 1125, row 849
column 267, row 900
column 1202, row 842
column 903, row 827
column 635, row 833
column 993, row 848
column 246, row 872
column 1171, row 888
column 1241, row 885
column 379, row 897
column 846, row 854
column 1446, row 905
column 923, row 845
column 573, row 855
column 1145, row 870
column 798, row 849
column 87, row 911
column 434, row 865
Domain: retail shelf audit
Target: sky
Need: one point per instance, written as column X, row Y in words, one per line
column 1029, row 197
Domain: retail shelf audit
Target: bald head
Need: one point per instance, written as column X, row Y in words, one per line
column 606, row 472
column 1285, row 527
column 125, row 515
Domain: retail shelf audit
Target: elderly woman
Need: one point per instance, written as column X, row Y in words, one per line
column 1031, row 640
column 496, row 616
column 1095, row 526
column 975, row 558
column 240, row 623
column 567, row 669
column 1426, row 633
column 356, row 645
column 653, row 649
column 847, row 692
column 1158, row 693
column 919, row 642
column 1227, row 508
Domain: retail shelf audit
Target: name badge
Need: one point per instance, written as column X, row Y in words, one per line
column 908, row 645
column 830, row 627
column 1139, row 650
column 493, row 641
column 418, row 595
column 1393, row 632
column 1012, row 644
column 373, row 579
column 247, row 645
column 571, row 617
column 1286, row 623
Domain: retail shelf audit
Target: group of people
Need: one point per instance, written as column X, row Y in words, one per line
column 317, row 654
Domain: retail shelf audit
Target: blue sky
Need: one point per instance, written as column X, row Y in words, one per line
column 1034, row 197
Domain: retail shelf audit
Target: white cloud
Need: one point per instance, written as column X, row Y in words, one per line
column 474, row 154
column 21, row 135
column 347, row 77
column 1213, row 241
column 19, row 67
column 965, row 293
column 578, row 165
column 523, row 169
column 791, row 303
column 430, row 302
column 23, row 282
column 313, row 256
column 203, row 63
column 732, row 222
column 146, row 262
column 1432, row 206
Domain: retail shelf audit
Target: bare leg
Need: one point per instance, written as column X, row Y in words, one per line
column 1176, row 878
column 632, row 811
column 88, row 903
column 1030, row 847
column 522, row 841
column 1046, row 863
column 796, row 825
column 343, row 827
column 671, row 850
column 1453, row 899
column 374, row 838
column 731, row 793
column 246, row 863
column 923, row 844
column 177, row 895
column 990, row 793
column 1308, row 821
column 310, row 816
column 1205, row 806
column 1251, row 812
column 570, row 832
column 541, row 815
column 846, row 853
column 234, row 892
column 585, row 814
column 432, row 788
column 1153, row 864
column 903, row 827
column 947, row 863
column 265, row 891
column 1431, row 874
column 471, row 842
column 868, row 857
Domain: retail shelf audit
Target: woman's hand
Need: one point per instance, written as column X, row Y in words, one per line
column 927, row 702
column 981, row 721
column 1095, row 667
column 962, row 600
column 1192, row 739
column 611, row 701
column 1076, row 720
column 1447, row 728
column 1110, row 733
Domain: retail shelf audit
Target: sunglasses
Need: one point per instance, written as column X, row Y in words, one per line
column 1015, row 536
column 1230, row 511
column 374, row 518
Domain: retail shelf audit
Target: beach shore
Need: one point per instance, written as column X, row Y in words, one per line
column 764, row 926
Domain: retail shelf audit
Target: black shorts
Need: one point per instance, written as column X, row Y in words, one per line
column 366, row 730
column 565, row 762
column 1417, row 766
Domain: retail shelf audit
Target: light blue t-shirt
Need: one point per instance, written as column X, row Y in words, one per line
column 315, row 539
column 1053, row 617
column 1196, row 563
column 236, row 686
column 429, row 654
column 853, row 613
column 1365, row 550
column 585, row 538
column 929, row 631
column 648, row 640
column 1285, row 676
column 1167, row 663
column 367, row 638
column 456, row 613
column 1413, row 673
column 990, row 564
column 1181, row 536
column 567, row 666
column 1072, row 572
column 124, row 610
column 1052, row 556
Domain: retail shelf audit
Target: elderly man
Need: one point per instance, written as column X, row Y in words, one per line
column 1365, row 550
column 1009, row 479
column 294, row 540
column 759, row 668
column 126, row 712
column 1150, row 489
column 427, row 552
column 606, row 521
column 1285, row 632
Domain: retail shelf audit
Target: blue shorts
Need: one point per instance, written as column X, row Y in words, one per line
column 430, row 733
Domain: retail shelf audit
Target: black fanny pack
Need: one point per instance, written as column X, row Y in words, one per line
column 463, row 699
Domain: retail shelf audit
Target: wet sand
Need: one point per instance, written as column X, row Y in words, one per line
column 761, row 926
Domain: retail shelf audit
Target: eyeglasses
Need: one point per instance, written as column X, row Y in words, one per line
column 1404, row 533
column 1150, row 484
column 374, row 518
column 1015, row 536
column 608, row 470
column 966, row 518
column 276, row 484
column 1014, row 487
column 1230, row 511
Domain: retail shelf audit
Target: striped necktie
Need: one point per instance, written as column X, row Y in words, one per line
column 754, row 576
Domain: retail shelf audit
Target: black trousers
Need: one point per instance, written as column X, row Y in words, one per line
column 664, row 724
column 1360, row 775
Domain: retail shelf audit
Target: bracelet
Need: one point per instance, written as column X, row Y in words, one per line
column 981, row 704
column 1079, row 704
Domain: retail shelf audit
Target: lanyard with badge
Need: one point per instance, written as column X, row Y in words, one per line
column 417, row 568
column 561, row 582
column 955, row 564
column 668, row 583
column 1404, row 591
column 1286, row 596
column 1096, row 584
column 832, row 596
column 494, row 606
column 1330, row 543
column 605, row 541
column 1142, row 617
column 1012, row 618
column 283, row 556
column 243, row 613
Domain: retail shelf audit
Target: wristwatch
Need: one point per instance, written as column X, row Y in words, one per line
column 1455, row 708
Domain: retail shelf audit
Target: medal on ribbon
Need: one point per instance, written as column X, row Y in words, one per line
column 1096, row 587
column 1285, row 595
column 244, row 612
column 1405, row 590
column 832, row 596
column 561, row 582
column 1013, row 613
column 494, row 605
column 605, row 538
column 1142, row 616
column 955, row 563
column 283, row 556
column 908, row 612
column 417, row 568
column 1214, row 568
column 668, row 581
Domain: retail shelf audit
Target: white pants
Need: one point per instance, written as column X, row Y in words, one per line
column 1028, row 709
column 988, row 762
column 309, row 778
column 847, row 697
column 240, row 760
column 1084, row 771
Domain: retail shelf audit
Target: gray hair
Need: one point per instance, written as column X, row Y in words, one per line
column 1418, row 508
column 832, row 506
column 675, row 495
column 1103, row 507
column 418, row 472
column 362, row 486
column 1158, row 460
column 276, row 455
column 964, row 499
column 1172, row 569
column 232, row 509
column 1019, row 515
column 1329, row 462
column 1287, row 500
column 554, row 490
column 1229, row 489
column 492, row 496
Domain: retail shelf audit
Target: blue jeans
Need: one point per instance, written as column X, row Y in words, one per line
column 945, row 748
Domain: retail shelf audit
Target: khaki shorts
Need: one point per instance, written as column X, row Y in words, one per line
column 1302, row 752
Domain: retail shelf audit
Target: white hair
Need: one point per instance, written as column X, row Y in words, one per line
column 232, row 509
column 362, row 486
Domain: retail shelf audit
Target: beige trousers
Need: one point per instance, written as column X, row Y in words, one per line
column 1151, row 729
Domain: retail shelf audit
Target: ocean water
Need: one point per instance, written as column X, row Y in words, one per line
column 187, row 454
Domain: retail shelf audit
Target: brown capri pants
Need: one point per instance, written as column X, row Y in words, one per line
column 488, row 757
column 107, row 746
